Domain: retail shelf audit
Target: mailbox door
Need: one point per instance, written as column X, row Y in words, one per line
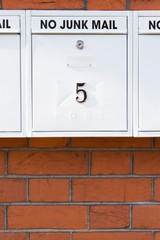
column 10, row 94
column 59, row 70
column 149, row 83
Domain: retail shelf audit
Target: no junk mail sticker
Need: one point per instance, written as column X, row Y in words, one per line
column 9, row 24
column 79, row 25
column 149, row 25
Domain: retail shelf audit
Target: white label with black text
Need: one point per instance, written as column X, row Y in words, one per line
column 103, row 25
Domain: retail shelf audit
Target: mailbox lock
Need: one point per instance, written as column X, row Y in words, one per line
column 80, row 44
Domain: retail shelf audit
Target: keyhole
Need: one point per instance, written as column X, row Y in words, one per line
column 80, row 44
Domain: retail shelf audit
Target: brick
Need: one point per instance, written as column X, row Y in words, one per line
column 147, row 163
column 13, row 236
column 146, row 217
column 112, row 142
column 49, row 236
column 41, row 162
column 56, row 217
column 110, row 163
column 122, row 190
column 157, row 142
column 109, row 217
column 45, row 4
column 113, row 236
column 2, row 163
column 144, row 5
column 12, row 190
column 106, row 5
column 1, row 217
column 49, row 190
column 157, row 236
column 157, row 189
column 12, row 142
column 48, row 142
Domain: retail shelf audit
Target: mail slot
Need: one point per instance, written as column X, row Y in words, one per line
column 12, row 30
column 147, row 73
column 80, row 73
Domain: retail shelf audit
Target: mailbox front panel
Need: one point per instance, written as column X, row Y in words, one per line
column 55, row 88
column 79, row 81
column 10, row 94
column 11, row 72
column 149, row 85
column 147, row 81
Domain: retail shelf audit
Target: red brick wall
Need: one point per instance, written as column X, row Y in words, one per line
column 80, row 188
column 83, row 4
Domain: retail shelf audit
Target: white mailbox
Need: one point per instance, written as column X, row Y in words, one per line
column 147, row 73
column 80, row 73
column 12, row 73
